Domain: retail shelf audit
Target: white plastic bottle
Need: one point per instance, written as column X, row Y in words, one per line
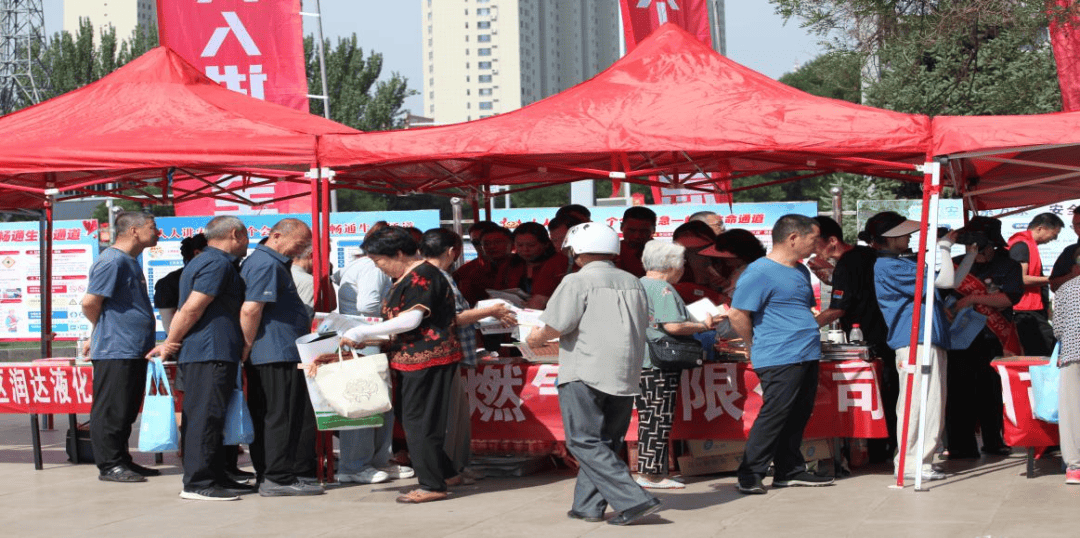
column 856, row 334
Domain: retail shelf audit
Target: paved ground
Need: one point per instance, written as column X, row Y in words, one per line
column 989, row 498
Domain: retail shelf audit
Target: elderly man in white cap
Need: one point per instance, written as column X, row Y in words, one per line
column 599, row 315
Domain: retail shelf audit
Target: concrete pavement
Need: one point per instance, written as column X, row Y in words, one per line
column 990, row 497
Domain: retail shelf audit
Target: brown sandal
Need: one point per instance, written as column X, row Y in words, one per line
column 418, row 496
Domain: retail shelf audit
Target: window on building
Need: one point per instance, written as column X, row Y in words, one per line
column 484, row 65
column 483, row 11
column 484, row 52
column 484, row 38
column 431, row 95
column 485, row 91
column 431, row 55
column 466, row 39
column 485, row 105
column 468, row 106
column 482, row 116
column 485, row 78
column 429, row 29
column 483, row 25
column 467, row 91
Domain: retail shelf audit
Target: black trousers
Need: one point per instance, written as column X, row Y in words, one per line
column 284, row 446
column 1036, row 334
column 883, row 449
column 973, row 398
column 787, row 400
column 119, row 385
column 423, row 399
column 206, row 400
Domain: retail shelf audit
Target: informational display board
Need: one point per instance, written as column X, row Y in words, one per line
column 75, row 247
column 346, row 233
column 755, row 217
column 951, row 216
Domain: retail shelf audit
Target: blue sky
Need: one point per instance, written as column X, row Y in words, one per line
column 756, row 36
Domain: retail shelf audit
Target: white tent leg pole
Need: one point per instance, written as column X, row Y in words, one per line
column 924, row 367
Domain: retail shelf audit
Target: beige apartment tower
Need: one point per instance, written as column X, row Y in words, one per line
column 485, row 57
column 124, row 15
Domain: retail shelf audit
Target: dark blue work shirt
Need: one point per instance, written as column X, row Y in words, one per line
column 125, row 329
column 284, row 318
column 217, row 335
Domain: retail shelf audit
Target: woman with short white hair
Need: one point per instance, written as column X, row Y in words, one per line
column 663, row 262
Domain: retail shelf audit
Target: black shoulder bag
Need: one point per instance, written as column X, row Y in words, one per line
column 670, row 352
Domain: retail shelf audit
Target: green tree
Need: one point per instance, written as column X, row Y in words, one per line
column 358, row 98
column 935, row 57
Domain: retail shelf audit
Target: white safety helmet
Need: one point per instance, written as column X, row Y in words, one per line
column 592, row 238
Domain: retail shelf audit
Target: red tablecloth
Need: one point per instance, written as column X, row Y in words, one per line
column 1021, row 426
column 515, row 407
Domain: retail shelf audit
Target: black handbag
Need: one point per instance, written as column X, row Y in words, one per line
column 676, row 352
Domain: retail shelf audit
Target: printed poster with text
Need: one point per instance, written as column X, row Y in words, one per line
column 75, row 247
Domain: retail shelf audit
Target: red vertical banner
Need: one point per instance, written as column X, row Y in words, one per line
column 254, row 47
column 1065, row 38
column 641, row 17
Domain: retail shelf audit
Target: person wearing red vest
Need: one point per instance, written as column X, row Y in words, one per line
column 1030, row 314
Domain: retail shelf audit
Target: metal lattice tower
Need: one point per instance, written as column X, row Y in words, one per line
column 22, row 40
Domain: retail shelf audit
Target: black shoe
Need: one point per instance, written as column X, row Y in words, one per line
column 751, row 486
column 236, row 488
column 239, row 475
column 212, row 493
column 631, row 515
column 803, row 478
column 997, row 450
column 121, row 474
column 578, row 515
column 143, row 471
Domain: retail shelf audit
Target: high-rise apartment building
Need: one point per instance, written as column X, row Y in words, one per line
column 484, row 57
column 124, row 15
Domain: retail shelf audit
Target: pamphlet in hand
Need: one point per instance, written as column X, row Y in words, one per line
column 491, row 325
column 340, row 323
column 700, row 310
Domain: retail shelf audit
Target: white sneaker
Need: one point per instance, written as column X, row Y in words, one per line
column 398, row 471
column 369, row 475
column 927, row 475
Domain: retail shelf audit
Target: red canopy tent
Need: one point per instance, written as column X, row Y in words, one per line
column 151, row 121
column 672, row 106
column 1010, row 161
column 155, row 120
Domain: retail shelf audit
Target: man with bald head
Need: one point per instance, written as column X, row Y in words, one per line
column 273, row 317
column 118, row 307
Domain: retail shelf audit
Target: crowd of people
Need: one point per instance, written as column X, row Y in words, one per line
column 604, row 298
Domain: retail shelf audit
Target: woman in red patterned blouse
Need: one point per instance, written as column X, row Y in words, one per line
column 424, row 352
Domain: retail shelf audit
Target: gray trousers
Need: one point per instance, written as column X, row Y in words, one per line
column 595, row 424
column 1069, row 414
column 459, row 423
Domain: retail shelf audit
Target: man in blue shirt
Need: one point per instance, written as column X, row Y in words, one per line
column 205, row 335
column 273, row 317
column 771, row 312
column 118, row 306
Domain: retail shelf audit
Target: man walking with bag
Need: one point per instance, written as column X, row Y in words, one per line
column 273, row 317
column 206, row 337
column 118, row 307
column 771, row 312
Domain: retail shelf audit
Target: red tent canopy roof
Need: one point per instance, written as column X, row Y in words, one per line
column 151, row 115
column 671, row 104
column 1012, row 161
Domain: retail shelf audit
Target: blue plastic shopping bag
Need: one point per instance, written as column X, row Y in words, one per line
column 158, row 432
column 239, row 429
column 965, row 327
column 1044, row 388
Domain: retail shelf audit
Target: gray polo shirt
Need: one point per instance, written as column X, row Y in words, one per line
column 125, row 329
column 601, row 313
column 268, row 280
